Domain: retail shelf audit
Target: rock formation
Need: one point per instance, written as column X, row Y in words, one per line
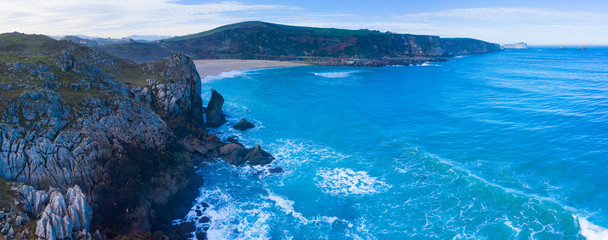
column 113, row 141
column 76, row 116
column 45, row 214
column 215, row 115
column 243, row 125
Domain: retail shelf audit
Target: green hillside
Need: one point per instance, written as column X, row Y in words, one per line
column 322, row 46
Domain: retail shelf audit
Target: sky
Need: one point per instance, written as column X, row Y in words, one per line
column 537, row 22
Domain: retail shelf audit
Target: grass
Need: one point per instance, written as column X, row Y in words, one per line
column 330, row 32
column 7, row 195
column 13, row 57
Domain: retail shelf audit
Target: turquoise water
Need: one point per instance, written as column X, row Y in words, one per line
column 508, row 145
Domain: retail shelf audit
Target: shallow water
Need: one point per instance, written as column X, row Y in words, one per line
column 508, row 145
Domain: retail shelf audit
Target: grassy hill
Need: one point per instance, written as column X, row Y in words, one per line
column 323, row 46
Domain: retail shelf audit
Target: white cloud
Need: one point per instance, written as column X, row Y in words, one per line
column 536, row 26
column 120, row 18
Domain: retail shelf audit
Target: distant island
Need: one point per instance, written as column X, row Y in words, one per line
column 519, row 45
column 317, row 46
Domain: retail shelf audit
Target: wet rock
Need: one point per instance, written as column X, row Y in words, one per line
column 232, row 139
column 238, row 155
column 257, row 156
column 276, row 170
column 204, row 220
column 243, row 125
column 234, row 154
column 201, row 235
column 215, row 115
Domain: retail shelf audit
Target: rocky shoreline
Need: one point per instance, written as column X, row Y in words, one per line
column 111, row 142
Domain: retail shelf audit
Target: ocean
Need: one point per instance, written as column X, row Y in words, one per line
column 506, row 145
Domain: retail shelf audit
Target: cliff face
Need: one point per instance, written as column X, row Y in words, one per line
column 320, row 46
column 71, row 115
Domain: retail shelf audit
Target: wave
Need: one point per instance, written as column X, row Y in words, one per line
column 591, row 231
column 231, row 74
column 341, row 74
column 428, row 64
column 345, row 181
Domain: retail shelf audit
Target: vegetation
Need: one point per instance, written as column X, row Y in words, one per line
column 7, row 195
column 260, row 40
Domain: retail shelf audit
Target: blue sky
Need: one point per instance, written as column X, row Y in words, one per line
column 581, row 22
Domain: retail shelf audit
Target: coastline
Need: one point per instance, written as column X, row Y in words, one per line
column 214, row 67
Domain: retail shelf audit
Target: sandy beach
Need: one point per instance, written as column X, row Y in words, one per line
column 215, row 67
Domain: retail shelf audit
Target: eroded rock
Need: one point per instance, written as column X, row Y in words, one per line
column 215, row 115
column 243, row 125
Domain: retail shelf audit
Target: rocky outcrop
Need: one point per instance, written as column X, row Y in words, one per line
column 65, row 217
column 233, row 152
column 243, row 125
column 45, row 214
column 76, row 116
column 215, row 115
column 103, row 143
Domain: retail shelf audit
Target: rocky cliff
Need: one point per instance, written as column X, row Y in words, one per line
column 75, row 116
column 319, row 46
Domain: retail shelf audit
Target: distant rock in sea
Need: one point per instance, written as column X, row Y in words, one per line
column 243, row 125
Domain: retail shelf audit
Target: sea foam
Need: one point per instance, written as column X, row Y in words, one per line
column 231, row 74
column 591, row 231
column 342, row 74
column 345, row 181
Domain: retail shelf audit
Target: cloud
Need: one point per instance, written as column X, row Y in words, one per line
column 118, row 17
column 537, row 26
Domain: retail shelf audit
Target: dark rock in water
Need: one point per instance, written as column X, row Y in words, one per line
column 233, row 153
column 243, row 125
column 204, row 205
column 215, row 115
column 257, row 156
column 201, row 235
column 204, row 220
column 276, row 170
column 238, row 155
column 233, row 139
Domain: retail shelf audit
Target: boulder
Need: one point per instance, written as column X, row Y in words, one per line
column 215, row 115
column 236, row 154
column 243, row 125
column 257, row 156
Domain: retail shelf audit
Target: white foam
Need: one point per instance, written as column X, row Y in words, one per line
column 591, row 231
column 231, row 74
column 286, row 206
column 345, row 181
column 341, row 74
column 428, row 64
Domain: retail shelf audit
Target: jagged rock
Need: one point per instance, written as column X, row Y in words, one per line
column 60, row 219
column 243, row 125
column 19, row 220
column 65, row 61
column 257, row 156
column 233, row 154
column 34, row 200
column 238, row 155
column 215, row 115
column 78, row 209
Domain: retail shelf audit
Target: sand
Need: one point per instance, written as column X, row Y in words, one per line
column 208, row 68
